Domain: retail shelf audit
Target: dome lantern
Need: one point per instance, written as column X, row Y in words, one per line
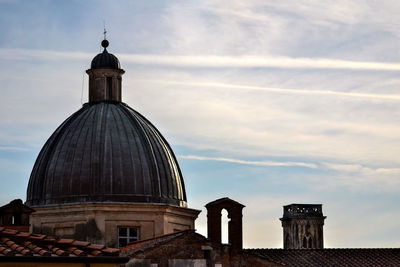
column 105, row 77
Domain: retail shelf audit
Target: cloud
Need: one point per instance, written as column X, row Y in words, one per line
column 12, row 148
column 358, row 168
column 257, row 61
column 208, row 61
column 341, row 167
column 255, row 163
column 392, row 97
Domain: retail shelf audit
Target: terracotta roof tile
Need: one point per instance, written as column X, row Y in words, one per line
column 76, row 251
column 96, row 246
column 23, row 234
column 58, row 251
column 65, row 241
column 21, row 244
column 9, row 231
column 110, row 250
column 96, row 253
column 80, row 243
column 36, row 236
column 5, row 251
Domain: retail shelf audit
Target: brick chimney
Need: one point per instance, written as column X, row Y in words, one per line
column 235, row 231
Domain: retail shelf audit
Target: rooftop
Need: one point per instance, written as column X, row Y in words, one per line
column 18, row 246
column 331, row 257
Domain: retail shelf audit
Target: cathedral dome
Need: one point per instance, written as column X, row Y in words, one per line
column 106, row 152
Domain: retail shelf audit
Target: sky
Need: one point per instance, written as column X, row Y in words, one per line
column 265, row 102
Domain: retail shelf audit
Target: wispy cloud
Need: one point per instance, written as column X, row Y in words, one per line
column 213, row 61
column 12, row 148
column 342, row 167
column 358, row 168
column 255, row 163
column 250, row 61
column 27, row 54
column 392, row 97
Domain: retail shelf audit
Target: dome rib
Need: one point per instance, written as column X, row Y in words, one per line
column 166, row 150
column 38, row 187
column 153, row 159
column 106, row 152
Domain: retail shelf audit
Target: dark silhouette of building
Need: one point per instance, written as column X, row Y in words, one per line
column 235, row 232
column 15, row 215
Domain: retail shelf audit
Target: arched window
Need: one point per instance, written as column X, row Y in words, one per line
column 310, row 242
column 224, row 226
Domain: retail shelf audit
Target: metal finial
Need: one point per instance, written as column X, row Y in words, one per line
column 104, row 43
column 105, row 32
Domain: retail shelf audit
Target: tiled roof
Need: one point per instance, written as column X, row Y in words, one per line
column 25, row 246
column 142, row 245
column 331, row 257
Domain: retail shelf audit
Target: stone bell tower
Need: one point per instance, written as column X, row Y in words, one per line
column 303, row 226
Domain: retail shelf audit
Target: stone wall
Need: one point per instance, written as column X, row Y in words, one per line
column 98, row 223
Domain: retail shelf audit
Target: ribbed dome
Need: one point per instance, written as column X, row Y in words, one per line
column 106, row 152
column 105, row 60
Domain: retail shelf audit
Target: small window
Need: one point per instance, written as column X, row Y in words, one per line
column 109, row 88
column 127, row 235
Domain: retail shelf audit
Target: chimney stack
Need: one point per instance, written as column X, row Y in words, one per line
column 235, row 231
